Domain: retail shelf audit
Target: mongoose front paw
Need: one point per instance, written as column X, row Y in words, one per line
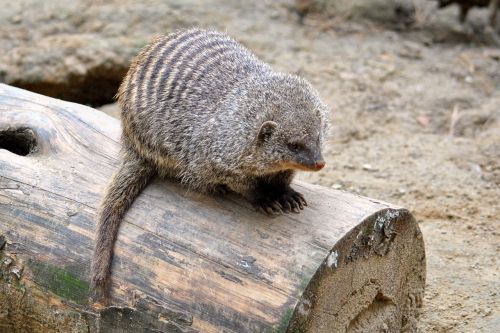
column 269, row 207
column 286, row 202
column 292, row 201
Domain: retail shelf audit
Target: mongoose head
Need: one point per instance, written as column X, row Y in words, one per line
column 291, row 130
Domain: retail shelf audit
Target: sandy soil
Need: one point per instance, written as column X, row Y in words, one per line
column 415, row 117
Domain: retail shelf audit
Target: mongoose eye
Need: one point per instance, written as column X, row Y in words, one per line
column 294, row 146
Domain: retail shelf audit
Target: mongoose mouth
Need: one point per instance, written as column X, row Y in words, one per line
column 304, row 167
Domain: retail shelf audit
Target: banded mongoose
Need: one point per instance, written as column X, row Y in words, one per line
column 199, row 107
column 466, row 5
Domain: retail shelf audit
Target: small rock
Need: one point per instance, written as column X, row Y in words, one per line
column 411, row 51
column 476, row 168
column 369, row 167
column 337, row 186
column 348, row 76
column 16, row 19
column 274, row 15
column 423, row 121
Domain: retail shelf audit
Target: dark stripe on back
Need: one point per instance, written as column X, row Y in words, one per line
column 144, row 68
column 167, row 52
column 241, row 71
column 167, row 45
column 128, row 86
column 203, row 60
column 209, row 52
column 175, row 58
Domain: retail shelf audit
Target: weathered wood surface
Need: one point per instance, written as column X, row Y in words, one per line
column 185, row 262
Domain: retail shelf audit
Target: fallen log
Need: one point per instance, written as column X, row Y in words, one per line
column 186, row 262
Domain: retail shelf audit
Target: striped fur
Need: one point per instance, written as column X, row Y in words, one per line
column 199, row 107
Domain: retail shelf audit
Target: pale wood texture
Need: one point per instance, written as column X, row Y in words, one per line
column 186, row 262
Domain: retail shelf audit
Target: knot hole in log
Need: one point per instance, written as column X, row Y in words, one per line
column 20, row 141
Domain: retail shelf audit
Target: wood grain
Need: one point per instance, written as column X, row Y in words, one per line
column 186, row 262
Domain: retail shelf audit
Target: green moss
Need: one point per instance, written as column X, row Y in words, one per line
column 60, row 281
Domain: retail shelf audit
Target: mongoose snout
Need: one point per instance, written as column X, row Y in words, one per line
column 320, row 165
column 306, row 159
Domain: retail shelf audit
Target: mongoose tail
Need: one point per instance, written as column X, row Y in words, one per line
column 132, row 176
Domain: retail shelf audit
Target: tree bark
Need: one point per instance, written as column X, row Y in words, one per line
column 186, row 262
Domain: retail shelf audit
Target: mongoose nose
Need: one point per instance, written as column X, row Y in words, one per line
column 319, row 165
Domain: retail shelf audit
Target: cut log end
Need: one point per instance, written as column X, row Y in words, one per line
column 372, row 280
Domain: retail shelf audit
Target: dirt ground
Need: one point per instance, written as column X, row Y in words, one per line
column 415, row 111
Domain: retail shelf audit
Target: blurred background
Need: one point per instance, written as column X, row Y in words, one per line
column 414, row 96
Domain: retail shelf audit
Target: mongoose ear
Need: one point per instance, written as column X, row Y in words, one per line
column 266, row 130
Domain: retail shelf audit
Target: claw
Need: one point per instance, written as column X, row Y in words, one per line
column 286, row 205
column 295, row 203
column 289, row 201
column 277, row 207
column 260, row 209
column 299, row 202
column 302, row 199
column 269, row 210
